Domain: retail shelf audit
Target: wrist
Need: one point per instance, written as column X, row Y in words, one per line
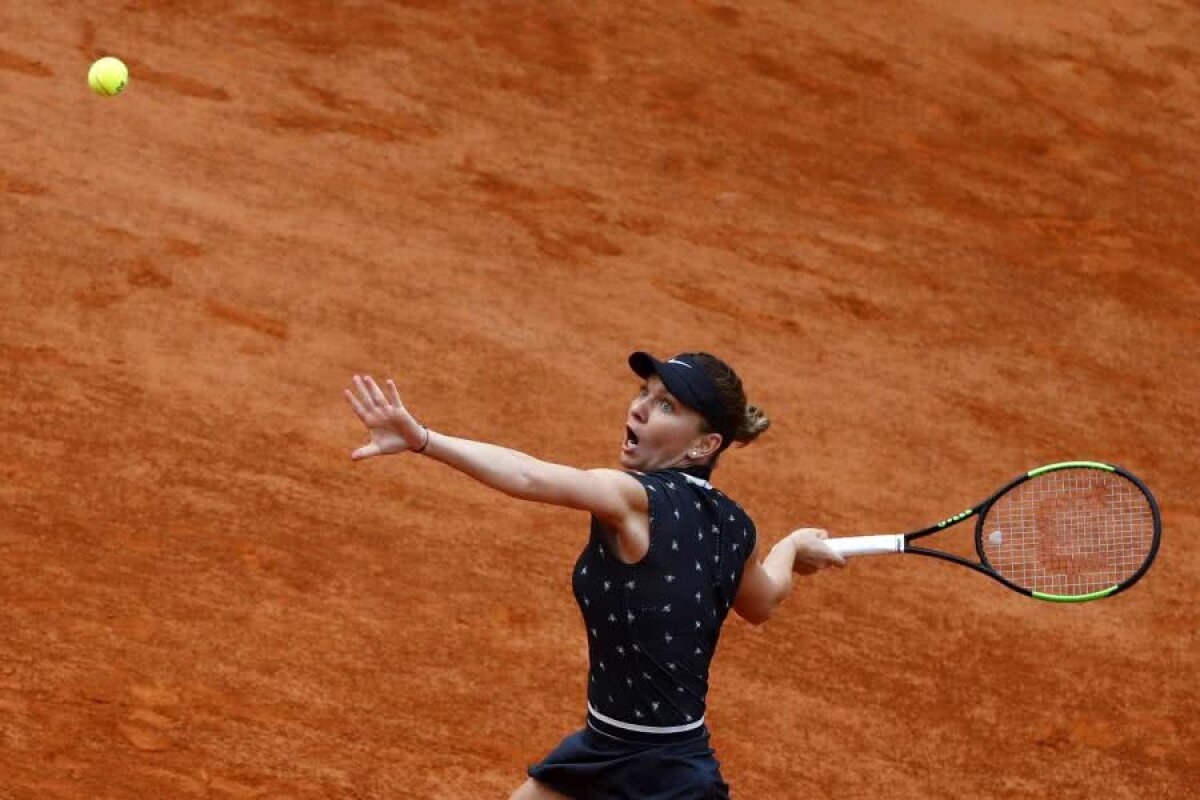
column 425, row 443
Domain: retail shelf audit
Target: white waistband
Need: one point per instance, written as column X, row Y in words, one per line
column 627, row 726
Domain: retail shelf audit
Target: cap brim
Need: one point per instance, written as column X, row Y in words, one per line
column 673, row 376
column 644, row 364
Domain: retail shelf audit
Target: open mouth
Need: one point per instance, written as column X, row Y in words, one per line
column 631, row 438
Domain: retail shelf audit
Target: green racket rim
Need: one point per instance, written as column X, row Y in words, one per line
column 1076, row 598
column 1033, row 473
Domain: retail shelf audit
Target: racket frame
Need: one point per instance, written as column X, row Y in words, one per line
column 980, row 510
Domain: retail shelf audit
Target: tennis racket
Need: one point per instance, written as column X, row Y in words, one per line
column 1067, row 532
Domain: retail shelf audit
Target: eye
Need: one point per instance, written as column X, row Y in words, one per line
column 666, row 406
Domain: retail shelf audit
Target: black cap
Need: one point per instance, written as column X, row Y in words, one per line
column 690, row 382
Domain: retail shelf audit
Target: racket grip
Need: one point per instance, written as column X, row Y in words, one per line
column 867, row 545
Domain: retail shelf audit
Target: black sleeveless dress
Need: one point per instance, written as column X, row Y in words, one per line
column 652, row 631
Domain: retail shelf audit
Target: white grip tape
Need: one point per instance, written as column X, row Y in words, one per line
column 867, row 545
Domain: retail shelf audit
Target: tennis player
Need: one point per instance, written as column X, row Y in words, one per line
column 669, row 555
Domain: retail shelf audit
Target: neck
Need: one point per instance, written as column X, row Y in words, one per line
column 702, row 471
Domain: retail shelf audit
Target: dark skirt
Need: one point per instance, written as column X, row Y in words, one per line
column 589, row 765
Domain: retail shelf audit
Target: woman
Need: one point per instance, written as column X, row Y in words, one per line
column 668, row 556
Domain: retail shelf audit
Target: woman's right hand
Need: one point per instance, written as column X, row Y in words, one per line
column 391, row 427
column 812, row 553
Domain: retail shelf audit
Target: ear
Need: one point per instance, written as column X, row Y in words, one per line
column 704, row 446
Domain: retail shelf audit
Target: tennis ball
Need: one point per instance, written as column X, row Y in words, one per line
column 108, row 76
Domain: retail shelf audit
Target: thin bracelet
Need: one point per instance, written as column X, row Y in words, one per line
column 424, row 444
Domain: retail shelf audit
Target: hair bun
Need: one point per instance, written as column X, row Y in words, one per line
column 753, row 424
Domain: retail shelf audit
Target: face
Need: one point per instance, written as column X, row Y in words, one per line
column 660, row 432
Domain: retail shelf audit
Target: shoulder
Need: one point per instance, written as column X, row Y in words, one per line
column 733, row 513
column 626, row 484
column 728, row 502
column 665, row 482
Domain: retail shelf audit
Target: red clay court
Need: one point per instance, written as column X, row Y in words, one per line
column 942, row 242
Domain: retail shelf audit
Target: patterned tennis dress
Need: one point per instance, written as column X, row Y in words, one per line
column 653, row 626
column 652, row 630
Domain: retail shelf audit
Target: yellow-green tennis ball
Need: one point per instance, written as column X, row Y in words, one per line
column 108, row 76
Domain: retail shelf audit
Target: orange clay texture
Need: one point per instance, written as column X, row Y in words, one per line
column 942, row 242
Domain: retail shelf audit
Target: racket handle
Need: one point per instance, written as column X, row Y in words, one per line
column 867, row 545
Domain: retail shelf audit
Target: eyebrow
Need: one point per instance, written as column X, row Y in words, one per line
column 662, row 391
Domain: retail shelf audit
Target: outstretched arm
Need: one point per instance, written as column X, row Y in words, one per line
column 609, row 494
column 767, row 584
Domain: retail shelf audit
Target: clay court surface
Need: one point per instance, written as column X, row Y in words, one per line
column 943, row 242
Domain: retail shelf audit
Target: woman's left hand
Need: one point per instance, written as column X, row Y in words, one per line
column 392, row 428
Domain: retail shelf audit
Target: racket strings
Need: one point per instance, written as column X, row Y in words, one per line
column 1069, row 532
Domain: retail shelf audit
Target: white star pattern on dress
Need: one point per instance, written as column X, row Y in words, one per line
column 669, row 578
column 667, row 636
column 674, row 545
column 629, row 616
column 583, row 570
column 607, row 584
column 667, row 608
column 612, row 617
column 630, row 585
column 697, row 624
column 670, row 485
column 654, row 706
column 699, row 569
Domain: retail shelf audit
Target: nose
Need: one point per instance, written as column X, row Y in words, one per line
column 637, row 409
